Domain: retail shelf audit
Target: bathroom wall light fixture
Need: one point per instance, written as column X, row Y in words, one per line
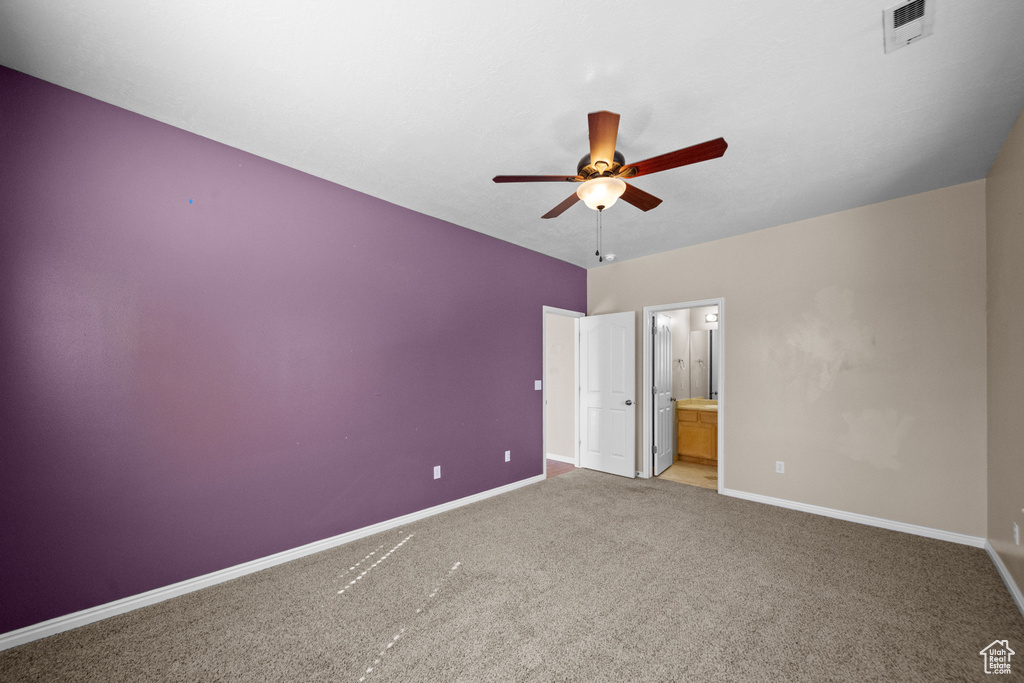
column 711, row 318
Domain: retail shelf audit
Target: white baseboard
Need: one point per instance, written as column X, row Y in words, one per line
column 110, row 609
column 561, row 458
column 1004, row 573
column 928, row 532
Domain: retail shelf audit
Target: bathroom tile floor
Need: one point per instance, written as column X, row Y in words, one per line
column 705, row 476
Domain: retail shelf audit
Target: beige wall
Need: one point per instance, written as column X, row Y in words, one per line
column 1004, row 202
column 559, row 380
column 854, row 351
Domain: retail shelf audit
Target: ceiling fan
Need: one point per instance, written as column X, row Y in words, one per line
column 603, row 171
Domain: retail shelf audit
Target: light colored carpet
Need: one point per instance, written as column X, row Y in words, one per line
column 643, row 580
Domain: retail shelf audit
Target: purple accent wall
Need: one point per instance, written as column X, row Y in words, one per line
column 207, row 357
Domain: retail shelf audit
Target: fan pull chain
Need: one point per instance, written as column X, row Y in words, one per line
column 600, row 258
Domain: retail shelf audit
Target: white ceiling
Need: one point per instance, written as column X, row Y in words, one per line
column 422, row 102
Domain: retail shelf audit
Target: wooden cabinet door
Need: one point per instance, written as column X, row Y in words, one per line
column 697, row 436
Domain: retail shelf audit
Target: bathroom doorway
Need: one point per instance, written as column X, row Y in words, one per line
column 691, row 426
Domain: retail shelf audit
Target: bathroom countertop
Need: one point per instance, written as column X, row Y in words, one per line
column 696, row 404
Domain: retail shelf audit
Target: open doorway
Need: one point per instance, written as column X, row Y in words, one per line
column 602, row 418
column 683, row 366
column 558, row 386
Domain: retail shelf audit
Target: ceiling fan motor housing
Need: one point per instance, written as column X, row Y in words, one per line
column 586, row 171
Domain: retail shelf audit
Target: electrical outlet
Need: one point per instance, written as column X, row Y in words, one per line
column 437, row 471
column 780, row 467
column 1016, row 533
column 508, row 456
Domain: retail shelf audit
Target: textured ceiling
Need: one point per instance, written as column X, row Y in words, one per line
column 422, row 103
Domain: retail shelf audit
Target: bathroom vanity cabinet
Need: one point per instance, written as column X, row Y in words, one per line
column 697, row 435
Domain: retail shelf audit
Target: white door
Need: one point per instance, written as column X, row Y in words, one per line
column 664, row 419
column 607, row 383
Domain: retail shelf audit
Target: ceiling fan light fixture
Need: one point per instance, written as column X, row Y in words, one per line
column 601, row 193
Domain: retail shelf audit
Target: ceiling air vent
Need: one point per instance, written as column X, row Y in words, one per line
column 907, row 23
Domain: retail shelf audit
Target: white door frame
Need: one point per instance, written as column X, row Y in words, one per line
column 576, row 383
column 648, row 385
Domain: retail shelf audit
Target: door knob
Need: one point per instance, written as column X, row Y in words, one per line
column 629, row 402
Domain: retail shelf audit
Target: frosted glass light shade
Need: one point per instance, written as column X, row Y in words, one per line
column 601, row 192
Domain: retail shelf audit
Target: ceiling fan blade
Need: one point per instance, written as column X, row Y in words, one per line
column 558, row 210
column 536, row 179
column 712, row 149
column 604, row 129
column 640, row 199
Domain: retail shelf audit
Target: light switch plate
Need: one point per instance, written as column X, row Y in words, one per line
column 536, row 385
column 437, row 471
